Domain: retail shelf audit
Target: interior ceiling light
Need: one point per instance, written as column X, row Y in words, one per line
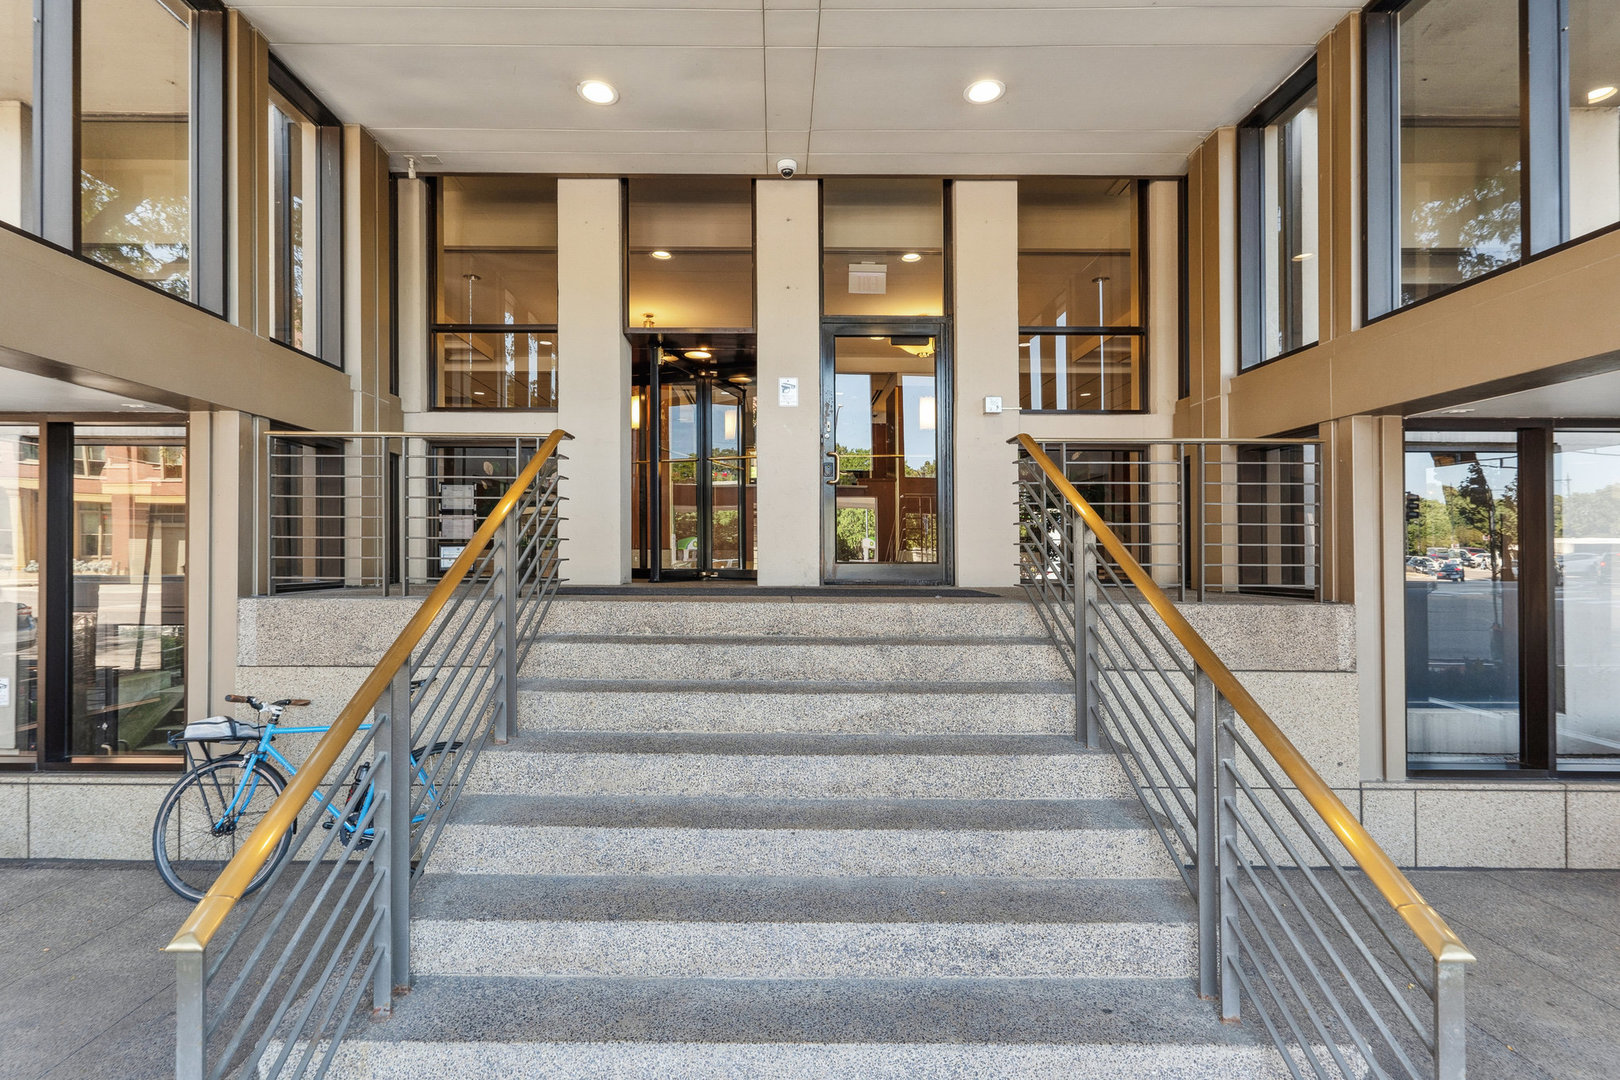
column 911, row 256
column 545, row 343
column 699, row 354
column 1601, row 93
column 1304, row 256
column 984, row 91
column 597, row 92
column 740, row 380
column 660, row 254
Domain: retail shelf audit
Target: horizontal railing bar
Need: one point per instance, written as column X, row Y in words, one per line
column 1143, row 440
column 1426, row 923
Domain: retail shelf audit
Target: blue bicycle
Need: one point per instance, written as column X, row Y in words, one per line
column 219, row 801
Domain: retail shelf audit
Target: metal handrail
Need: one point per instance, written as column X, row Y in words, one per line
column 210, row 912
column 1425, row 923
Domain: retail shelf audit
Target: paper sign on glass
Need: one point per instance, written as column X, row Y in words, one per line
column 787, row 393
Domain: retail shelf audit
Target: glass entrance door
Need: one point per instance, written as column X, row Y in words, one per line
column 699, row 507
column 885, row 433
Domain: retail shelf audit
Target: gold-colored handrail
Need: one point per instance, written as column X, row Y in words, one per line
column 205, row 919
column 1436, row 936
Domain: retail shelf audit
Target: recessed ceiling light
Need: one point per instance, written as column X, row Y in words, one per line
column 545, row 343
column 478, row 393
column 597, row 92
column 660, row 254
column 1023, row 344
column 1305, row 256
column 984, row 91
column 1601, row 93
column 911, row 256
column 699, row 354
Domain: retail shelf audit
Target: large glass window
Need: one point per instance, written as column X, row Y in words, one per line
column 1079, row 307
column 883, row 247
column 1280, row 218
column 1586, row 550
column 135, row 140
column 1458, row 199
column 17, row 113
column 19, row 590
column 1462, row 570
column 128, row 608
column 495, row 329
column 691, row 253
column 295, row 225
column 1594, row 115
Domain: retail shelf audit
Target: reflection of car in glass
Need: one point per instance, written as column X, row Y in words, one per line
column 1604, row 570
column 1579, row 564
column 1450, row 570
column 1422, row 564
column 27, row 627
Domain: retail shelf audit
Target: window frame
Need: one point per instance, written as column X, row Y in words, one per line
column 1252, row 177
column 328, row 244
column 1544, row 146
column 1537, row 630
column 1137, row 330
column 436, row 326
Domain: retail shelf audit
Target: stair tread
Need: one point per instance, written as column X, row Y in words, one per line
column 956, row 641
column 462, row 1009
column 529, row 898
column 795, row 744
column 756, row 813
column 874, row 688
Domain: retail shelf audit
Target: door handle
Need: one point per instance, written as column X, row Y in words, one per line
column 829, row 469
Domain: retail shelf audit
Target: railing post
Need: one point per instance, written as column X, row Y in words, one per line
column 1450, row 1021
column 1083, row 548
column 190, row 1031
column 393, row 789
column 1204, row 780
column 1226, row 861
column 506, row 566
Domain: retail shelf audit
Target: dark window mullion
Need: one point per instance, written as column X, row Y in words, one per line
column 1544, row 123
column 1538, row 737
column 56, row 121
column 1381, row 157
column 208, row 180
column 329, row 252
column 1251, row 316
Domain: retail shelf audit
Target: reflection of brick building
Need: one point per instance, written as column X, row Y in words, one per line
column 129, row 506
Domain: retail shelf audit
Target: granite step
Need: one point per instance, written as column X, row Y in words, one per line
column 801, row 928
column 917, row 707
column 966, row 659
column 813, row 1029
column 1020, row 838
column 788, row 766
column 948, row 616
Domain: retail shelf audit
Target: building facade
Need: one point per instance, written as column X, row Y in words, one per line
column 1391, row 229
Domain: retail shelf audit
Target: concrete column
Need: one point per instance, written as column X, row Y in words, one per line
column 226, row 496
column 985, row 309
column 415, row 250
column 593, row 382
column 17, row 164
column 787, row 261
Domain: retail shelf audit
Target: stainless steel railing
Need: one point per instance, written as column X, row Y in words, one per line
column 270, row 987
column 1302, row 918
column 1208, row 515
column 387, row 509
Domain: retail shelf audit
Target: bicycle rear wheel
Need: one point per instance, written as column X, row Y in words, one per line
column 207, row 816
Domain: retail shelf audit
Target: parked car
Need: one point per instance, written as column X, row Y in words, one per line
column 1422, row 564
column 1450, row 570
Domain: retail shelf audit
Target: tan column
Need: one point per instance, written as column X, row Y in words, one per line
column 593, row 382
column 985, row 310
column 415, row 252
column 787, row 260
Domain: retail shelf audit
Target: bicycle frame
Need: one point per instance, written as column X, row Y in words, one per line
column 265, row 748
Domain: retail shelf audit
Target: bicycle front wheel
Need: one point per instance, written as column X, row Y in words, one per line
column 207, row 816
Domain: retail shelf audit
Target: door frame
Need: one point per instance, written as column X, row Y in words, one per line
column 704, row 387
column 944, row 571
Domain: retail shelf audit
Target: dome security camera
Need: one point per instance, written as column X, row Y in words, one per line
column 787, row 167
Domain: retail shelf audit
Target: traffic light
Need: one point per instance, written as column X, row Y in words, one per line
column 1412, row 509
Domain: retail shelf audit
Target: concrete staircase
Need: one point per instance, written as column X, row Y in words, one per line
column 800, row 839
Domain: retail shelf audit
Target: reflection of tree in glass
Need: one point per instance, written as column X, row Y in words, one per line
column 166, row 265
column 855, row 524
column 1485, row 220
column 1587, row 513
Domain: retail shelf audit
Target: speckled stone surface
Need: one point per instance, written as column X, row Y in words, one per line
column 703, row 765
column 804, row 707
column 876, row 660
column 696, row 898
column 790, row 852
column 852, row 617
column 803, row 950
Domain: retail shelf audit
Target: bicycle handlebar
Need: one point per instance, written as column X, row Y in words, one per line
column 248, row 699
